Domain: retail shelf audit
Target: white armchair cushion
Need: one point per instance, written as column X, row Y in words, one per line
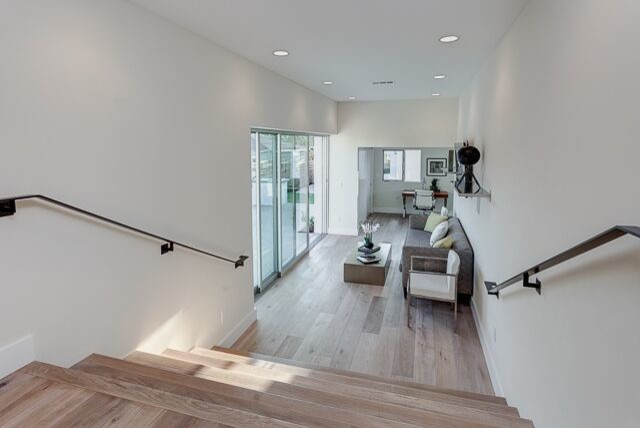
column 444, row 211
column 431, row 286
column 439, row 232
column 453, row 267
column 435, row 285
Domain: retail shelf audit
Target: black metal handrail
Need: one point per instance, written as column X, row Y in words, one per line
column 588, row 245
column 8, row 208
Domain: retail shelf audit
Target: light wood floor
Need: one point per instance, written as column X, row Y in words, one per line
column 311, row 315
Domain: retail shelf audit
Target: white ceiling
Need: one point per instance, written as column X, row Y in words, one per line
column 354, row 42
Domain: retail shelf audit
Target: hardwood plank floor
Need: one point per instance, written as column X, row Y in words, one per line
column 311, row 315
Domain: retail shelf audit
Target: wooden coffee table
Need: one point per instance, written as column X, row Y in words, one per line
column 373, row 274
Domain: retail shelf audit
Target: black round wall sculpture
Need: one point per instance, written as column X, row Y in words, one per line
column 468, row 156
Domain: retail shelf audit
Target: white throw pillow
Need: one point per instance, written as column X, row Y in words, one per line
column 439, row 232
column 444, row 211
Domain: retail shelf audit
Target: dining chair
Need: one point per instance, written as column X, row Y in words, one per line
column 423, row 200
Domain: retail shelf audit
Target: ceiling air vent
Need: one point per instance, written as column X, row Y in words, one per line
column 383, row 82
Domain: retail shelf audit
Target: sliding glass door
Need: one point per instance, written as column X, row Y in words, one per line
column 294, row 195
column 265, row 231
column 287, row 175
column 288, row 212
column 318, row 171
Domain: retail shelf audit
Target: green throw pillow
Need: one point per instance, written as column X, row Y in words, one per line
column 434, row 220
column 444, row 243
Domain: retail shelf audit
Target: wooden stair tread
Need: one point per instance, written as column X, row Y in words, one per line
column 257, row 401
column 431, row 394
column 357, row 375
column 95, row 409
column 153, row 397
column 222, row 388
column 468, row 409
column 42, row 405
column 298, row 394
column 19, row 386
column 328, row 394
column 34, row 401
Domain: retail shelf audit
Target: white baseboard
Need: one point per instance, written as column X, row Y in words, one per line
column 488, row 356
column 240, row 328
column 16, row 355
column 342, row 231
column 388, row 210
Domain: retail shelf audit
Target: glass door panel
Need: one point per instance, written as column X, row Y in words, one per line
column 301, row 192
column 287, row 190
column 254, row 211
column 268, row 199
column 316, row 215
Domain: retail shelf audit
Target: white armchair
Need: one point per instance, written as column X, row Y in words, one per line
column 434, row 285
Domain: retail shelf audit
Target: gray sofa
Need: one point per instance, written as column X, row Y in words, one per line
column 416, row 243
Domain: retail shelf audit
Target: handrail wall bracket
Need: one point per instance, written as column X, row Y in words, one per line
column 166, row 248
column 528, row 284
column 7, row 207
column 492, row 289
column 240, row 261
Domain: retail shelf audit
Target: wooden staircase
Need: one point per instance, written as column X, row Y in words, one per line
column 222, row 387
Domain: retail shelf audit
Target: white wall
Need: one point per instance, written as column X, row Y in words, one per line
column 415, row 123
column 557, row 101
column 113, row 109
column 387, row 195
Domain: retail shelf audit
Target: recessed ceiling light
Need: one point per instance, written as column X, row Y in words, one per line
column 449, row 39
column 435, row 95
column 439, row 76
column 327, row 82
column 352, row 98
column 281, row 53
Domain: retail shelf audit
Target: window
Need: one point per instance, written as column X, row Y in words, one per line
column 412, row 172
column 392, row 165
column 402, row 165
